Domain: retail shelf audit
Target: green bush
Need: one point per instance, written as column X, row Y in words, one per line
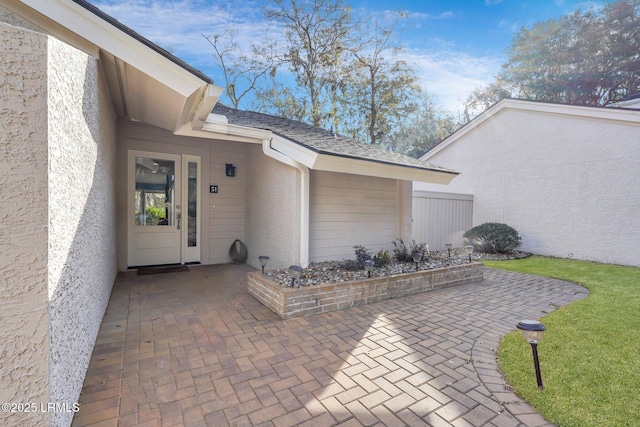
column 382, row 259
column 402, row 253
column 493, row 238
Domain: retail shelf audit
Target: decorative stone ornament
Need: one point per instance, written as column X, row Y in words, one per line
column 238, row 252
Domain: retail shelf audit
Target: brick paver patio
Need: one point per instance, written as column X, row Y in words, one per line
column 195, row 349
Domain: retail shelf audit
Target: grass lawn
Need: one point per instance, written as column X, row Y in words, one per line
column 590, row 355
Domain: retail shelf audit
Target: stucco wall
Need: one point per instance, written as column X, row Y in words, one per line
column 568, row 184
column 273, row 210
column 24, row 318
column 82, row 226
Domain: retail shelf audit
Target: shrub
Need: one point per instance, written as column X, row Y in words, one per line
column 362, row 254
column 382, row 259
column 493, row 238
column 403, row 254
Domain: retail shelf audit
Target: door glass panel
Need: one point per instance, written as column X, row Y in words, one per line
column 155, row 192
column 192, row 211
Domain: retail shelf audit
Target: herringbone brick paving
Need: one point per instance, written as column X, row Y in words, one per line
column 194, row 349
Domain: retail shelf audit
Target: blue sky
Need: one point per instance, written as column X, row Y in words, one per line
column 454, row 46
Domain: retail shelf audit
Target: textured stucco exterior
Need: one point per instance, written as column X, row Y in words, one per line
column 82, row 244
column 565, row 177
column 273, row 210
column 24, row 316
column 58, row 229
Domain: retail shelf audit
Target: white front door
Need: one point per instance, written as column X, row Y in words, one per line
column 163, row 209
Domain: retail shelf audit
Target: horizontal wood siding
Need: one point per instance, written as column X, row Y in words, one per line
column 349, row 210
column 227, row 218
column 224, row 213
column 441, row 218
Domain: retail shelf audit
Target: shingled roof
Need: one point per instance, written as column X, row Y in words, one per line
column 320, row 140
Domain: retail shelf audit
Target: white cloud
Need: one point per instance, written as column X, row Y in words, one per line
column 452, row 75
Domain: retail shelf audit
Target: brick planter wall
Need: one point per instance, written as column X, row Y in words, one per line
column 305, row 301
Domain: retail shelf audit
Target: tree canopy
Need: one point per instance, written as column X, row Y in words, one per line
column 331, row 71
column 590, row 57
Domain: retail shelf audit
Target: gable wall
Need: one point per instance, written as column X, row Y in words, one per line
column 348, row 210
column 569, row 185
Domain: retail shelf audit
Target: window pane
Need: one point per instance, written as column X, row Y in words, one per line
column 155, row 192
column 192, row 211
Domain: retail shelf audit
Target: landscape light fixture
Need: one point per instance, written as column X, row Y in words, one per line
column 469, row 249
column 417, row 256
column 368, row 265
column 532, row 331
column 263, row 262
column 295, row 271
column 449, row 245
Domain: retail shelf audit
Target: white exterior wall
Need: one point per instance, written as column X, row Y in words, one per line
column 348, row 210
column 273, row 211
column 24, row 316
column 568, row 183
column 58, row 222
column 223, row 214
column 82, row 222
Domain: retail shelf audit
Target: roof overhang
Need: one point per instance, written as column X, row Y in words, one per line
column 218, row 125
column 146, row 83
column 334, row 163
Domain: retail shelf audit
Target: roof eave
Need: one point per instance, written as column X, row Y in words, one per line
column 358, row 166
column 147, row 84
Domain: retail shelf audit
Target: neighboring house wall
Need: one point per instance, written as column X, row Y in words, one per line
column 348, row 210
column 566, row 181
column 441, row 218
column 273, row 211
column 24, row 316
column 223, row 214
column 82, row 220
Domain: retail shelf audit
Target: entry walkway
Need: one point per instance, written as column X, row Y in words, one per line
column 194, row 349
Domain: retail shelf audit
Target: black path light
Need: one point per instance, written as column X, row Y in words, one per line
column 449, row 245
column 295, row 271
column 263, row 261
column 532, row 331
column 368, row 265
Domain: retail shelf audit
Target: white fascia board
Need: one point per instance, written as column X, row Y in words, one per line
column 99, row 32
column 239, row 133
column 295, row 151
column 382, row 170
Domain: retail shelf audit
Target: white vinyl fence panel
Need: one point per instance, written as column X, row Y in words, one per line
column 441, row 218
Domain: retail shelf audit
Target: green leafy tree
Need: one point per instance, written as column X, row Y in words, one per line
column 586, row 58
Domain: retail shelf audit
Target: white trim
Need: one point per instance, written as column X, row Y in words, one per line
column 442, row 195
column 630, row 117
column 191, row 254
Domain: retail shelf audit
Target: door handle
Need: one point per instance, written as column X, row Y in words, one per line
column 179, row 218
